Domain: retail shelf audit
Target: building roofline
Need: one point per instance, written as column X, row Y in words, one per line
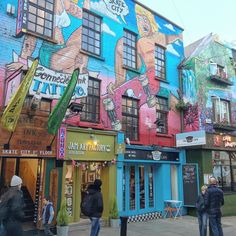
column 149, row 9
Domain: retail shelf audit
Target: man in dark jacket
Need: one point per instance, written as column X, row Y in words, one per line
column 15, row 204
column 214, row 199
column 97, row 206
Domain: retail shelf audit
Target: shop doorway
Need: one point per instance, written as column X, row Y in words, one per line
column 90, row 172
column 29, row 170
column 138, row 188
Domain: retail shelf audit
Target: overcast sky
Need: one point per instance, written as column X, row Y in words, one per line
column 199, row 17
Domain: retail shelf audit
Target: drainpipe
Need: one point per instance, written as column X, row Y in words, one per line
column 180, row 68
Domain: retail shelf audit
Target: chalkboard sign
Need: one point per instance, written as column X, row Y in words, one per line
column 190, row 184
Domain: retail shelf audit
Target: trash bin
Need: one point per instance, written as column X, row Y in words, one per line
column 123, row 225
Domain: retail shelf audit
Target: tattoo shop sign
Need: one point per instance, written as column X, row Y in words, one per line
column 51, row 84
column 117, row 7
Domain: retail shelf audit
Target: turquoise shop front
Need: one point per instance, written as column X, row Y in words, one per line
column 146, row 177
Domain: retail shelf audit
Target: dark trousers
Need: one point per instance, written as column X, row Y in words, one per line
column 13, row 228
column 202, row 221
column 215, row 225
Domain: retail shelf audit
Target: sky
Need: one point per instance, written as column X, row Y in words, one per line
column 199, row 17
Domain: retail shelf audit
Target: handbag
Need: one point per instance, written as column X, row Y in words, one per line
column 2, row 229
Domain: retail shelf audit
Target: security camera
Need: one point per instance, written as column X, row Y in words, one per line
column 75, row 107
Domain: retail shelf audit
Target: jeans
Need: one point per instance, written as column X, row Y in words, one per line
column 202, row 221
column 215, row 224
column 47, row 231
column 95, row 226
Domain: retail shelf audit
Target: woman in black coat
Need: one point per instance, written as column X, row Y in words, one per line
column 201, row 212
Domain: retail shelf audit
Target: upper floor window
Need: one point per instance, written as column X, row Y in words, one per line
column 40, row 17
column 221, row 72
column 221, row 110
column 91, row 33
column 130, row 117
column 43, row 104
column 129, row 49
column 162, row 110
column 160, row 62
column 91, row 103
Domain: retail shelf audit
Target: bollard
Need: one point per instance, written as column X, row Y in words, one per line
column 123, row 226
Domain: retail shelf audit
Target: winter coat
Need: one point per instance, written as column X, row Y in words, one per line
column 15, row 203
column 200, row 203
column 214, row 199
column 97, row 200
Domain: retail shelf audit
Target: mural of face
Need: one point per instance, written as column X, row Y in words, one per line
column 144, row 25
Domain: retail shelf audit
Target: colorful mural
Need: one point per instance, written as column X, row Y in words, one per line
column 199, row 88
column 59, row 58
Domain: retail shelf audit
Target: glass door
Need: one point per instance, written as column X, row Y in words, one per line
column 138, row 188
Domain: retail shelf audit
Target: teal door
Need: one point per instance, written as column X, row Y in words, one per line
column 138, row 189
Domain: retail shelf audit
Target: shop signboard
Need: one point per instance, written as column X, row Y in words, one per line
column 221, row 141
column 189, row 139
column 136, row 154
column 30, row 139
column 85, row 146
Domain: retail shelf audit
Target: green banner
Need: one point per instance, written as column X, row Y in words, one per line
column 59, row 111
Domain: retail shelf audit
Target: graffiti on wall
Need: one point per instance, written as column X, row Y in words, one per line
column 58, row 60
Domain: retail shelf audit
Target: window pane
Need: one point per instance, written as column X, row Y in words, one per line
column 93, row 31
column 132, row 188
column 150, row 186
column 141, row 187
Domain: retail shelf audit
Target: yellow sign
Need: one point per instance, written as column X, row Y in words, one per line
column 12, row 112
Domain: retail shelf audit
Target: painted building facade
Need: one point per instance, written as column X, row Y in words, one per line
column 209, row 83
column 128, row 57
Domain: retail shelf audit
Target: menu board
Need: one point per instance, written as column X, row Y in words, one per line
column 190, row 184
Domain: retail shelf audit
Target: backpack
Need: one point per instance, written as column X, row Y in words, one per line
column 87, row 204
column 4, row 210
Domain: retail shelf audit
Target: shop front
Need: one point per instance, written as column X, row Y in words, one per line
column 146, row 177
column 217, row 157
column 30, row 153
column 89, row 155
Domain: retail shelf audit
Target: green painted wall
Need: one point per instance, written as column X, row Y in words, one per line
column 203, row 158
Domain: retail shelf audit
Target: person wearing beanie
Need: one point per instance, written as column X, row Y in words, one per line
column 13, row 200
column 15, row 181
column 97, row 206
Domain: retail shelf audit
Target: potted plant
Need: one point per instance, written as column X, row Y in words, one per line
column 114, row 216
column 62, row 221
column 181, row 105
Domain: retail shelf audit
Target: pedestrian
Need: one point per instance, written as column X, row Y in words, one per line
column 201, row 212
column 214, row 199
column 94, row 190
column 12, row 205
column 47, row 216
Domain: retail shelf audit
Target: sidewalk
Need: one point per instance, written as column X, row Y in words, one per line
column 183, row 226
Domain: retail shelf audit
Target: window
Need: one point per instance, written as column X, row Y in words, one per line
column 160, row 62
column 130, row 117
column 91, row 33
column 221, row 72
column 40, row 17
column 91, row 103
column 224, row 169
column 129, row 49
column 162, row 115
column 43, row 104
column 221, row 111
